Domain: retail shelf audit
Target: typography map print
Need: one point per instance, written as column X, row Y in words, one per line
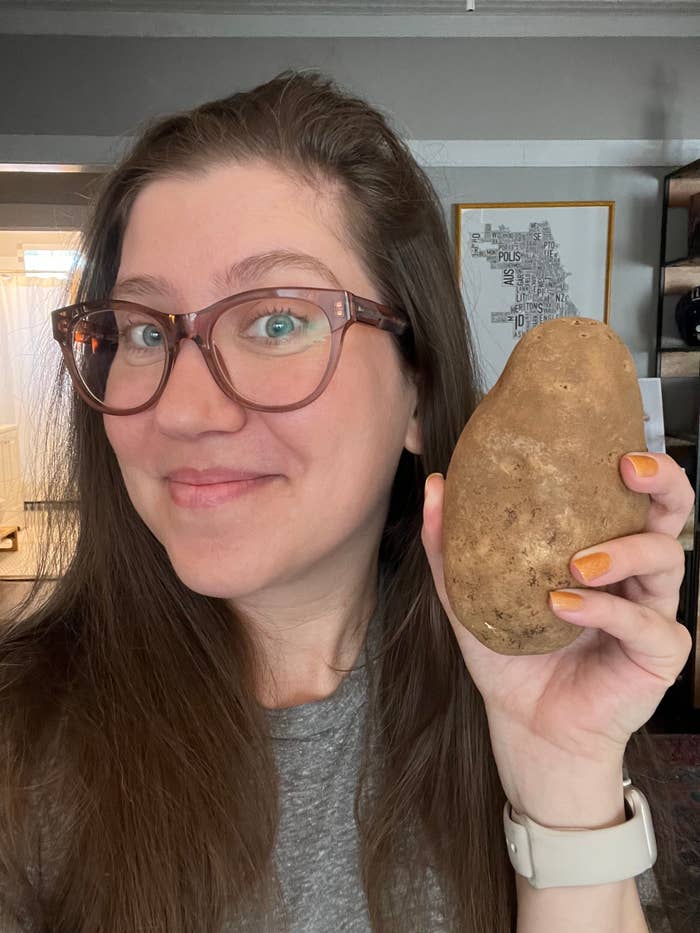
column 522, row 264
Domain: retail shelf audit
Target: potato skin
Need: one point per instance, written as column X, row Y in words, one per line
column 534, row 478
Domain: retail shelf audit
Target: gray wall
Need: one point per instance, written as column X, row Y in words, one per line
column 588, row 88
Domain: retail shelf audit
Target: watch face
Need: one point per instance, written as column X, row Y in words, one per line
column 688, row 316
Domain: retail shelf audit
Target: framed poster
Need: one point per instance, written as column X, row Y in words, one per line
column 520, row 264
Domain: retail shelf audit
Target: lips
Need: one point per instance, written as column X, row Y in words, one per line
column 194, row 477
column 205, row 489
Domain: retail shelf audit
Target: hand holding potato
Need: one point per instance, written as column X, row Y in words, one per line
column 578, row 706
column 540, row 472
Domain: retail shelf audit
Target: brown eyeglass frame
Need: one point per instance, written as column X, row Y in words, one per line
column 342, row 308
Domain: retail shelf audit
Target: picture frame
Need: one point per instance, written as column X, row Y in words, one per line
column 522, row 263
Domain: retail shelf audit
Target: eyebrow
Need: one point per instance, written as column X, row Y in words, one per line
column 236, row 277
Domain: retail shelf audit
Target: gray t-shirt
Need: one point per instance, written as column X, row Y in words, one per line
column 318, row 749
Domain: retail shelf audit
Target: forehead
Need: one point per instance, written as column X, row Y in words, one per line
column 234, row 225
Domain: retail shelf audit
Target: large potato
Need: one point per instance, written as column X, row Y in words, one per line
column 534, row 477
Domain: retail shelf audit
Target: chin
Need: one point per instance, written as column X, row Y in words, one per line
column 214, row 576
column 206, row 582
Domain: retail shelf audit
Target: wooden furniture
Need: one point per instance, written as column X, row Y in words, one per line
column 11, row 497
column 678, row 367
column 9, row 533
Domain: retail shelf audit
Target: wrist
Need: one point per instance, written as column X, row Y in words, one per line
column 575, row 855
column 574, row 803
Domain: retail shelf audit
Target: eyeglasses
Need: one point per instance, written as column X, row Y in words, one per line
column 270, row 349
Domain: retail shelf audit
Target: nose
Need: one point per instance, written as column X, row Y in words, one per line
column 192, row 403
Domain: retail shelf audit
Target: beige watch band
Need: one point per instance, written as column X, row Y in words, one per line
column 552, row 858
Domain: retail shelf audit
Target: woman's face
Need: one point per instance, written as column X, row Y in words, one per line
column 330, row 464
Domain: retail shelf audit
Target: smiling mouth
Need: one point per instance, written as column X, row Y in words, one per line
column 209, row 495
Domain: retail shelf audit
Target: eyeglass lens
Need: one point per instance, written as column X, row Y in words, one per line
column 272, row 351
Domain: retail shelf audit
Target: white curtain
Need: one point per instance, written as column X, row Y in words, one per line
column 29, row 361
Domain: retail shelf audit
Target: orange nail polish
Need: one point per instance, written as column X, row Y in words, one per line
column 592, row 566
column 644, row 466
column 566, row 601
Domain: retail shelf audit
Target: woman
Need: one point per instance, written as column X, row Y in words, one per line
column 189, row 714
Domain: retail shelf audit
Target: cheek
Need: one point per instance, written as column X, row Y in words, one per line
column 127, row 437
column 353, row 433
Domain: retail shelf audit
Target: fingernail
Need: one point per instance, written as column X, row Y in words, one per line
column 591, row 566
column 427, row 480
column 643, row 466
column 568, row 602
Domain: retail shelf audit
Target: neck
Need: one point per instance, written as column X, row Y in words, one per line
column 327, row 631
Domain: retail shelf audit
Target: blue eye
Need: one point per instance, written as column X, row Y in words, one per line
column 266, row 327
column 149, row 334
column 140, row 337
column 279, row 325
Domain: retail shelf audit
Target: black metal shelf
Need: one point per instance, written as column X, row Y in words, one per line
column 674, row 360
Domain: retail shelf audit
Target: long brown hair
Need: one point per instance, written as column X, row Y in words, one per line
column 140, row 790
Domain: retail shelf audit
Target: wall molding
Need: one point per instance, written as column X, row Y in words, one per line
column 148, row 24
column 97, row 153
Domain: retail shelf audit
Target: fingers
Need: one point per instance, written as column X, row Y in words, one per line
column 654, row 644
column 655, row 559
column 656, row 562
column 672, row 496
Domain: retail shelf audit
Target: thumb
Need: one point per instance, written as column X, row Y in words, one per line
column 477, row 656
column 431, row 532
